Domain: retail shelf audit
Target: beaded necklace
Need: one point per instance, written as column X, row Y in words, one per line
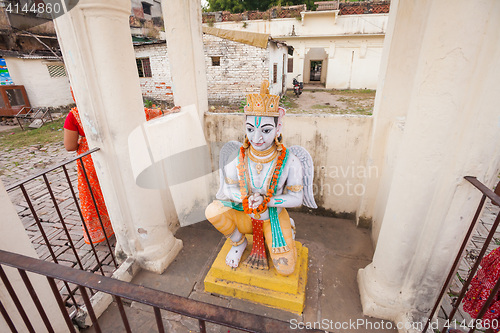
column 272, row 186
column 265, row 178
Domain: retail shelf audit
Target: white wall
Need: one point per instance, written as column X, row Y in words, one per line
column 155, row 8
column 353, row 44
column 241, row 71
column 337, row 143
column 314, row 25
column 436, row 124
column 159, row 85
column 42, row 90
column 13, row 238
column 276, row 54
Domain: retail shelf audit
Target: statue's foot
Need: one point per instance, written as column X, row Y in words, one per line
column 234, row 255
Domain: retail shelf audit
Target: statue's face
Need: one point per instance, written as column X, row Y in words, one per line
column 261, row 132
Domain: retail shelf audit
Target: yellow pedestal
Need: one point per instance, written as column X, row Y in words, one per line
column 260, row 286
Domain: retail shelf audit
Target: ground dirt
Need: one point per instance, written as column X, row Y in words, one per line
column 358, row 102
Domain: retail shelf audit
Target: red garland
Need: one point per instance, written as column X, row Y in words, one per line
column 270, row 191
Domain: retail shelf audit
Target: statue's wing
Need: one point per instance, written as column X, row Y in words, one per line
column 228, row 153
column 308, row 174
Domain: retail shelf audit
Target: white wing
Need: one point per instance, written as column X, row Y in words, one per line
column 308, row 170
column 228, row 153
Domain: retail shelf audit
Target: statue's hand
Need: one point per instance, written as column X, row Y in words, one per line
column 255, row 200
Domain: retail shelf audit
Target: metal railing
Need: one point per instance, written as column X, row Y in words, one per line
column 60, row 222
column 487, row 193
column 157, row 299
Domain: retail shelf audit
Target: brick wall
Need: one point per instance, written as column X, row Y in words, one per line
column 159, row 86
column 242, row 69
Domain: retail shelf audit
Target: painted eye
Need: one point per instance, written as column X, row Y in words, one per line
column 250, row 129
column 266, row 131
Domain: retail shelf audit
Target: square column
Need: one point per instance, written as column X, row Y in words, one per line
column 185, row 53
column 97, row 47
column 450, row 129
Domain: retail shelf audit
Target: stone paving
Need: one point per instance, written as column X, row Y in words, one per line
column 21, row 163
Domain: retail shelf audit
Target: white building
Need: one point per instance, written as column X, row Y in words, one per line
column 235, row 66
column 337, row 51
column 44, row 78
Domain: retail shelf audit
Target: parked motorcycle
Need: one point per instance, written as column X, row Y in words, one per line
column 297, row 86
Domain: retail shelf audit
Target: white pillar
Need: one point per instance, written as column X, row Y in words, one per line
column 301, row 57
column 451, row 130
column 13, row 238
column 330, row 74
column 185, row 53
column 97, row 47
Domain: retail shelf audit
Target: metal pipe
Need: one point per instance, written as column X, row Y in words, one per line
column 476, row 266
column 162, row 300
column 159, row 321
column 119, row 303
column 16, row 301
column 7, row 318
column 90, row 309
column 36, row 300
column 47, row 243
column 81, row 217
column 201, row 323
column 61, row 219
column 455, row 264
column 60, row 303
column 98, row 213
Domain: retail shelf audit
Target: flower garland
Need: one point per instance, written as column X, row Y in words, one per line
column 272, row 186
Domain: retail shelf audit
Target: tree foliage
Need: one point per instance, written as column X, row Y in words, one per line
column 239, row 6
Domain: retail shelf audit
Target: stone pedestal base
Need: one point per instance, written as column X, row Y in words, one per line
column 260, row 286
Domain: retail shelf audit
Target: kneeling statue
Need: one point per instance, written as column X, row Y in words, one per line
column 259, row 179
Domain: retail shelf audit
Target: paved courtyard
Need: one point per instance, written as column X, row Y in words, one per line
column 337, row 250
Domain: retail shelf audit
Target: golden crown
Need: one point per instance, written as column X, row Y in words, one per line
column 263, row 104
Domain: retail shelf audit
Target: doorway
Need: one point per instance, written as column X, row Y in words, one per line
column 315, row 73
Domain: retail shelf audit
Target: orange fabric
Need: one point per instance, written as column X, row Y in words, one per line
column 226, row 219
column 152, row 113
column 90, row 216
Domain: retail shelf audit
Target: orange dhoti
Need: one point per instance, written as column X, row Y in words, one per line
column 226, row 220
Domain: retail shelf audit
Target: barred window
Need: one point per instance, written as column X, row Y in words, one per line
column 275, row 73
column 56, row 70
column 146, row 8
column 143, row 67
column 290, row 65
column 215, row 61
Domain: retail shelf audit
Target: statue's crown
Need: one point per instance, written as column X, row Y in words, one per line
column 263, row 104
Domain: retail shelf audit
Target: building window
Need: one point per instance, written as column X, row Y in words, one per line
column 143, row 67
column 290, row 65
column 15, row 97
column 146, row 8
column 215, row 61
column 275, row 73
column 56, row 70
